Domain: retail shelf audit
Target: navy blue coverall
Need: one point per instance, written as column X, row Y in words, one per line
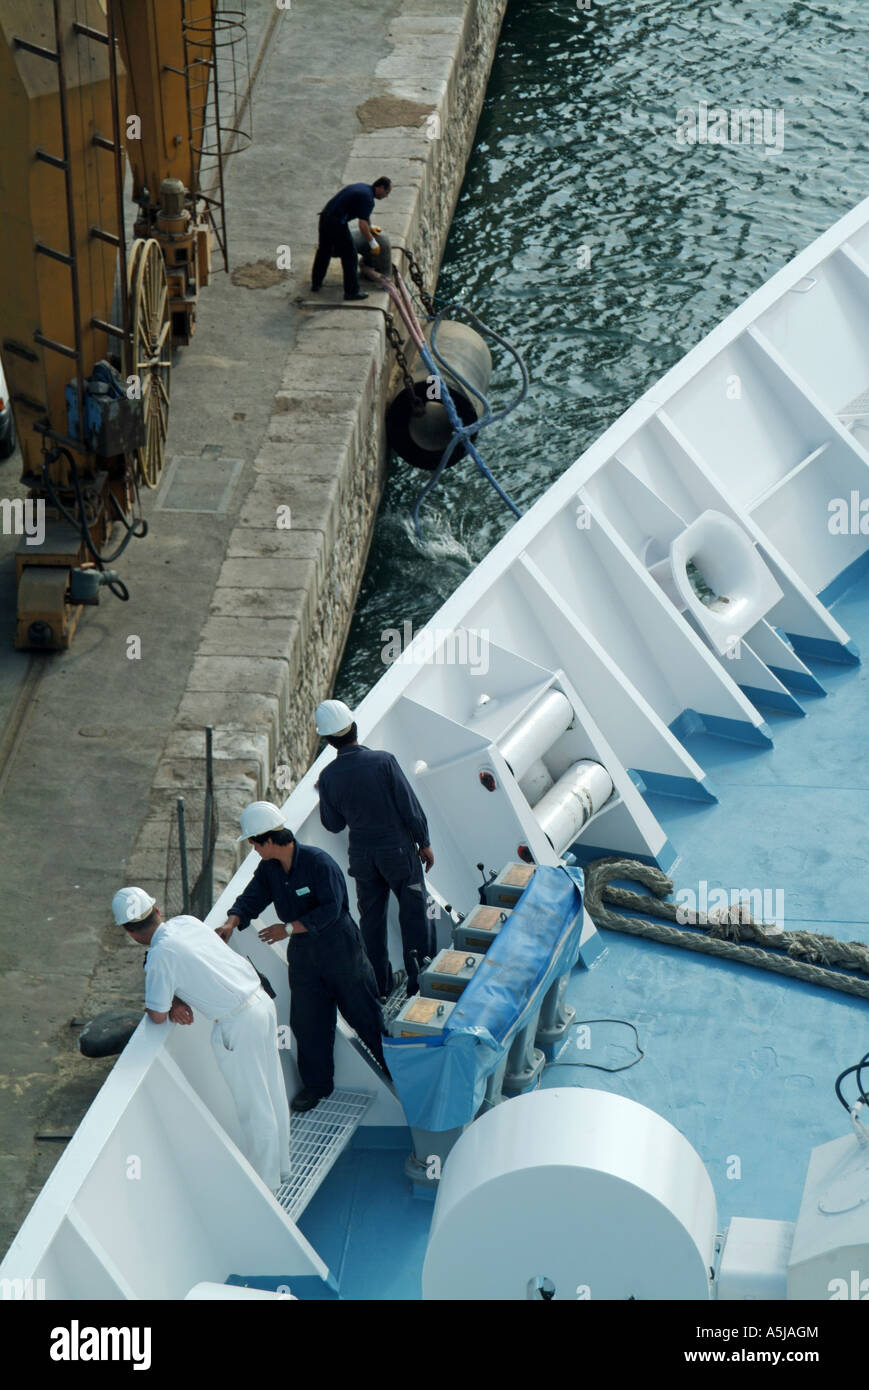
column 356, row 200
column 327, row 964
column 365, row 789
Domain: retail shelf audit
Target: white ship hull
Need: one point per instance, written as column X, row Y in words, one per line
column 749, row 458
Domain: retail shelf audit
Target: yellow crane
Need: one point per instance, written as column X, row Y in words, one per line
column 88, row 324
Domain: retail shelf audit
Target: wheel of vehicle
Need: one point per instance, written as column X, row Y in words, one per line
column 151, row 359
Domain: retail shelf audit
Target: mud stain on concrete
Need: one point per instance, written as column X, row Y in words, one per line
column 384, row 113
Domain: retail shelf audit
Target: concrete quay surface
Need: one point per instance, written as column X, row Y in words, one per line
column 276, row 404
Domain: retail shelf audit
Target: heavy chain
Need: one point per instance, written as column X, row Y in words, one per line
column 416, row 276
column 396, row 344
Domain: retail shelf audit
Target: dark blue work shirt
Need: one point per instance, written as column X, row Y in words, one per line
column 356, row 200
column 367, row 790
column 313, row 892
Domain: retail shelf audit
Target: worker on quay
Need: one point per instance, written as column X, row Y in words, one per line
column 356, row 200
column 328, row 967
column 365, row 789
column 188, row 967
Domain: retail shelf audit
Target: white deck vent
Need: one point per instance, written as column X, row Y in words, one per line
column 317, row 1139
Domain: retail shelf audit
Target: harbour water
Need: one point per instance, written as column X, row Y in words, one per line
column 616, row 207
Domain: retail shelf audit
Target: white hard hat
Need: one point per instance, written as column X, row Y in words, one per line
column 131, row 905
column 260, row 817
column 333, row 717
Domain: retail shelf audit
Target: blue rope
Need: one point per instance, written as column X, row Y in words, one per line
column 463, row 433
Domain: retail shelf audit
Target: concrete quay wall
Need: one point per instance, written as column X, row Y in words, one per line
column 284, row 598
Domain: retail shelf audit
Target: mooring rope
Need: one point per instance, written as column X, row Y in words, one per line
column 725, row 931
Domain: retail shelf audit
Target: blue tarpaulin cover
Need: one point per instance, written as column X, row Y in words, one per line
column 441, row 1081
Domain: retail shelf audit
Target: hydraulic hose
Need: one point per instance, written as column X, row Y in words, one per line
column 138, row 528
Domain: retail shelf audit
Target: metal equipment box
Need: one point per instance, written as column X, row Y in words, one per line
column 448, row 974
column 510, row 884
column 421, row 1018
column 114, row 423
column 479, row 928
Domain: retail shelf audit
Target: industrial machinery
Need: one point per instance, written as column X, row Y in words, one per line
column 62, row 246
column 185, row 62
column 88, row 321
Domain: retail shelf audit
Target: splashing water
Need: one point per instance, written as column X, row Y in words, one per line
column 604, row 248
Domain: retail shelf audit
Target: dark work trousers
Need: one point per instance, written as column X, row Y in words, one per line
column 378, row 871
column 335, row 240
column 330, row 970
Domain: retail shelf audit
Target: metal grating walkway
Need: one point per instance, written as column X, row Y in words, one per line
column 317, row 1138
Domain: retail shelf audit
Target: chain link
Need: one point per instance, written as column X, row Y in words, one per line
column 416, row 276
column 392, row 333
column 396, row 344
column 417, row 405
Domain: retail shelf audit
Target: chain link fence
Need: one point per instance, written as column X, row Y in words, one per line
column 190, row 851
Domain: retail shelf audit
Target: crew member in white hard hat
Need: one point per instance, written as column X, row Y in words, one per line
column 365, row 789
column 328, row 967
column 188, row 967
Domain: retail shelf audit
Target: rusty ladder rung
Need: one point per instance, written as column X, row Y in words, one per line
column 55, row 346
column 110, row 328
column 102, row 235
column 29, row 403
column 89, row 33
column 54, row 160
column 19, row 350
column 40, row 52
column 44, row 250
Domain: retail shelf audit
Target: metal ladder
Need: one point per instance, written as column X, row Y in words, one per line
column 68, row 258
column 209, row 50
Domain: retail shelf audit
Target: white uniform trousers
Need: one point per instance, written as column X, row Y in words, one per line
column 246, row 1047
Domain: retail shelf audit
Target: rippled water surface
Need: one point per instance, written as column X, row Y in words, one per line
column 576, row 147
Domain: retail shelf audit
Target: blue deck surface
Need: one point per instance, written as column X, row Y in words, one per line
column 740, row 1060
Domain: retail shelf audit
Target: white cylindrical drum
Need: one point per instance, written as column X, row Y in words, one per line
column 581, row 1192
column 536, row 782
column 563, row 811
column 545, row 722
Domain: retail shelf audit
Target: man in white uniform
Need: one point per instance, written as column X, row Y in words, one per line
column 189, row 967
